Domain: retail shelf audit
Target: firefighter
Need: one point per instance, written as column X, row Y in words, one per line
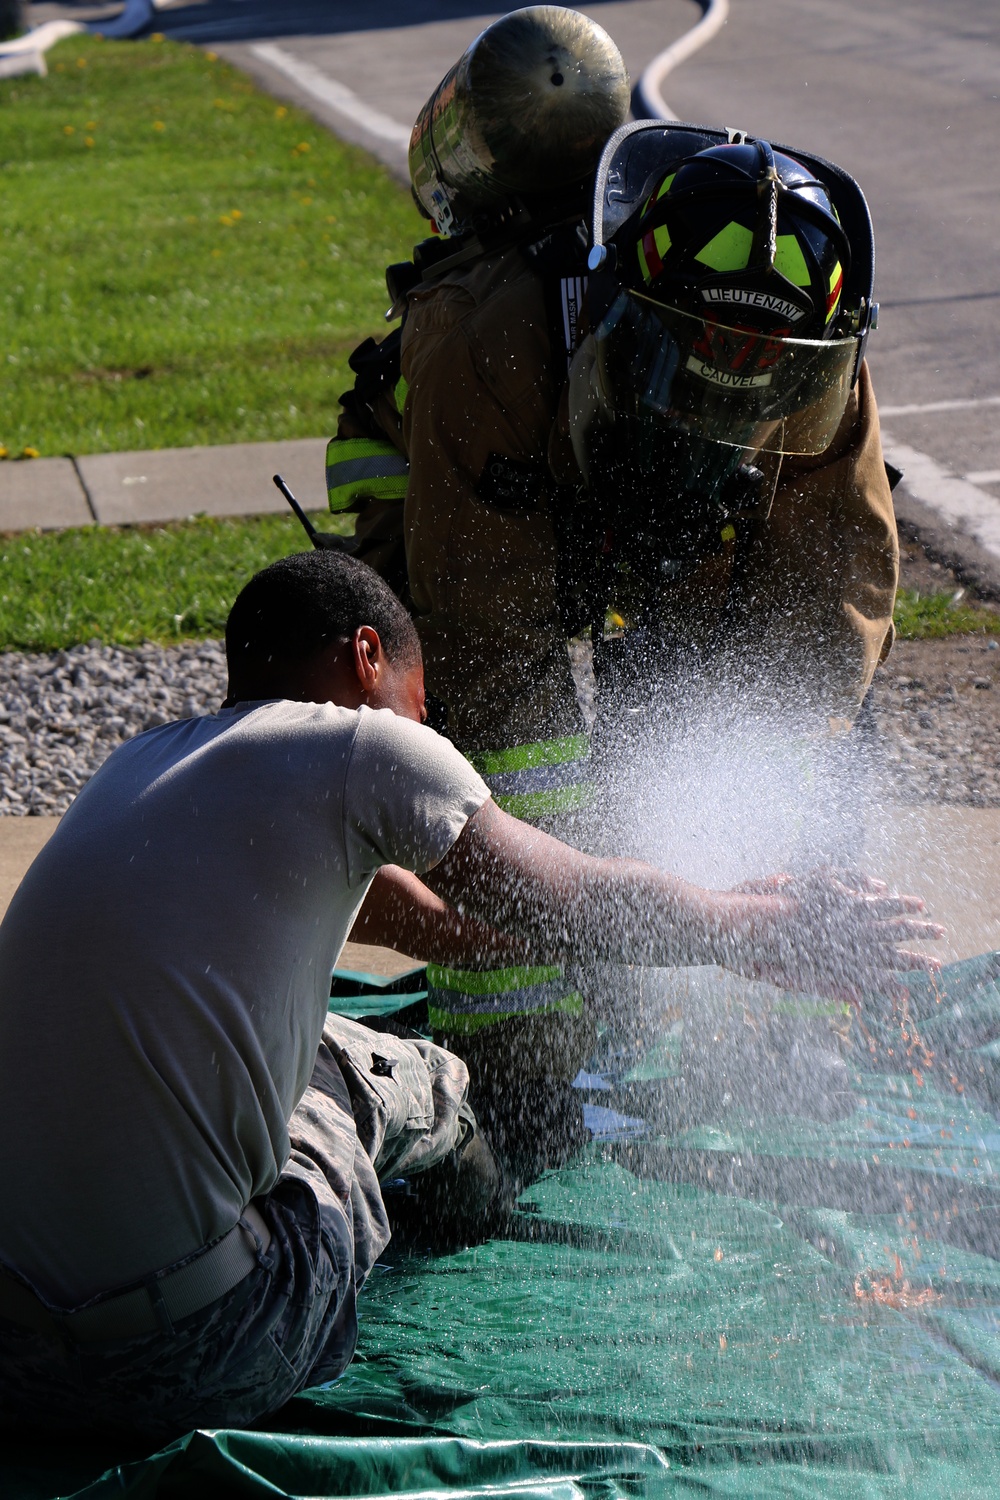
column 547, row 457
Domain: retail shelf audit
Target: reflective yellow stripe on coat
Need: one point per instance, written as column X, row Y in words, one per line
column 534, row 781
column 363, row 469
column 462, row 1001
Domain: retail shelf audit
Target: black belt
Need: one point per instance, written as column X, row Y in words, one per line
column 158, row 1303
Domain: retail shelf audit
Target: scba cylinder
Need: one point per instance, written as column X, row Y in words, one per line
column 526, row 110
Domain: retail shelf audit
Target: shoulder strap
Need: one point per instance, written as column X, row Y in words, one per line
column 561, row 261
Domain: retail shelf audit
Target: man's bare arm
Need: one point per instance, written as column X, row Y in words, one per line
column 822, row 933
column 400, row 912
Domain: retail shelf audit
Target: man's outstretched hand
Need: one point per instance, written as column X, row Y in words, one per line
column 833, row 932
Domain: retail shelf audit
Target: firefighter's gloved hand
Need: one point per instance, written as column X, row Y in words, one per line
column 835, row 933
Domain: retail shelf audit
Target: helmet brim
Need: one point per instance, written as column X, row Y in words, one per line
column 739, row 386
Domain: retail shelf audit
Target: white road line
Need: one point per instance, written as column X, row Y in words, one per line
column 984, row 476
column 41, row 38
column 328, row 91
column 651, row 82
column 26, row 54
column 957, row 501
column 914, row 411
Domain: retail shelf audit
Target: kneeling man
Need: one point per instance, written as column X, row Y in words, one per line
column 192, row 1149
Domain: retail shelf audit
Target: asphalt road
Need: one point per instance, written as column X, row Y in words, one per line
column 906, row 95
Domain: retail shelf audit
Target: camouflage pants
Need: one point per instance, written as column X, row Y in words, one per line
column 377, row 1106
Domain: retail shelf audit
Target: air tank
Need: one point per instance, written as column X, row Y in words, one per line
column 527, row 109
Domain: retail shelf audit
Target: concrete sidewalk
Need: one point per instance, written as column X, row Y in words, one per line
column 166, row 484
column 22, row 838
column 948, row 855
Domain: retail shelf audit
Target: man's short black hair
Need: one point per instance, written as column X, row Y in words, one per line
column 295, row 607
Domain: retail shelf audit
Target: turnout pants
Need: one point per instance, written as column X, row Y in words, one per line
column 376, row 1107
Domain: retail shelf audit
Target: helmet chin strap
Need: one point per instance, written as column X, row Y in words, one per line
column 765, row 240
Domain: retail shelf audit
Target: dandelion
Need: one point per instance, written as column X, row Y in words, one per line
column 157, row 37
column 60, row 67
column 216, row 252
column 4, row 451
column 69, row 130
column 305, row 202
column 81, row 62
column 331, row 218
column 225, row 219
column 29, row 452
column 235, row 213
column 303, row 146
column 158, row 125
column 90, row 125
column 280, row 112
column 88, row 140
column 212, row 56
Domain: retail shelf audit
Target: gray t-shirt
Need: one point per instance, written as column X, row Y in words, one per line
column 165, row 972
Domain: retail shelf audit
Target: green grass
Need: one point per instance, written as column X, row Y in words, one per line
column 185, row 260
column 921, row 617
column 162, row 583
column 167, row 583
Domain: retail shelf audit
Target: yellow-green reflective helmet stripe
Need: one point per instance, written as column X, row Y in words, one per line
column 836, row 286
column 789, row 260
column 729, row 250
column 656, row 242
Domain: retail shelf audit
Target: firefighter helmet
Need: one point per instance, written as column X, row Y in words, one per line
column 732, row 295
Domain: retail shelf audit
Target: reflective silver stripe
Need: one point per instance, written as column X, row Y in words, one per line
column 573, row 290
column 535, row 997
column 353, row 470
column 538, row 779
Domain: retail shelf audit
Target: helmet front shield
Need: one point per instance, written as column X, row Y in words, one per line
column 737, row 386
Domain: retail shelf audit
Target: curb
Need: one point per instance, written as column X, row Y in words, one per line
column 971, row 564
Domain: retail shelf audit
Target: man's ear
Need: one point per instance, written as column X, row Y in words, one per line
column 367, row 656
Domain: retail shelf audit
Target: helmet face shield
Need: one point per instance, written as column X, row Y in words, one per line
column 741, row 387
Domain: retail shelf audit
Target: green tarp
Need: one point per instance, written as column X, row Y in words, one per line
column 746, row 1307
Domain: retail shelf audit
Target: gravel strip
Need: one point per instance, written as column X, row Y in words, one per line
column 62, row 714
column 937, row 705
